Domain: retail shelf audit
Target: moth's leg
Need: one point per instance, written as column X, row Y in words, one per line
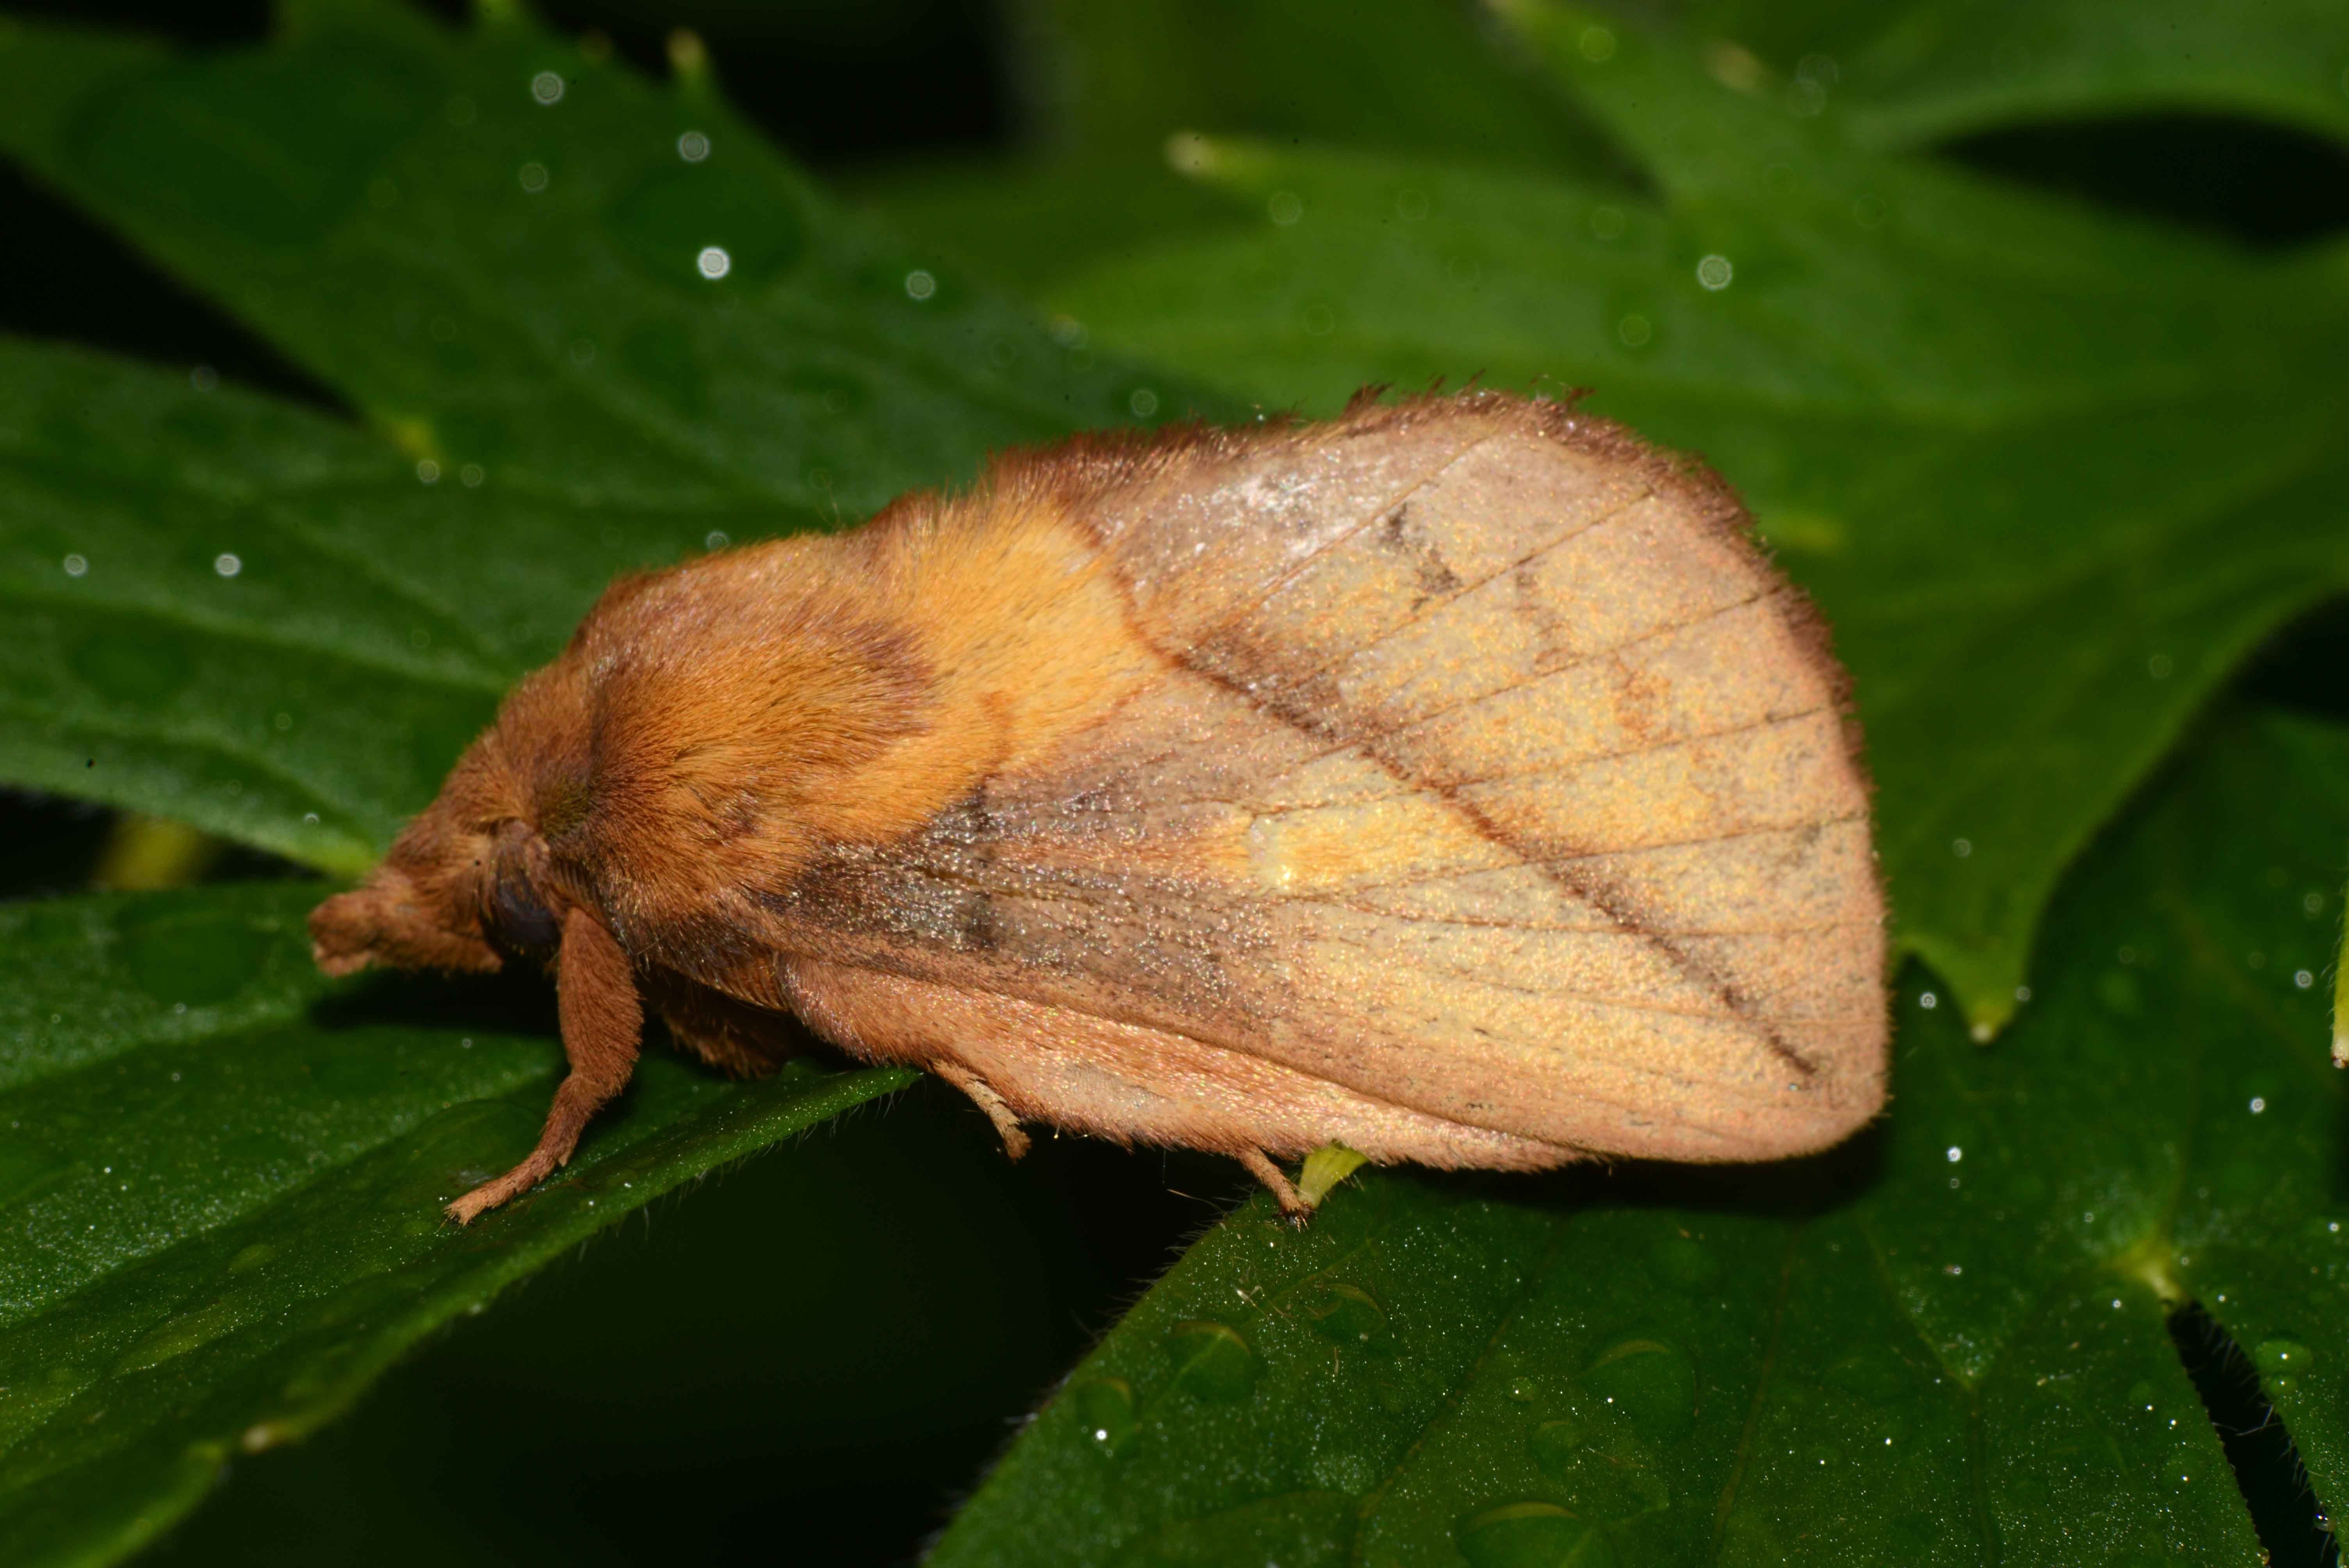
column 1015, row 1140
column 1292, row 1202
column 595, row 994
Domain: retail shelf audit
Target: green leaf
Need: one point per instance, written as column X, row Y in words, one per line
column 308, row 702
column 2051, row 474
column 1404, row 75
column 1118, row 87
column 1944, row 1344
column 517, row 284
column 241, row 615
column 1921, row 71
column 222, row 1175
column 1027, row 224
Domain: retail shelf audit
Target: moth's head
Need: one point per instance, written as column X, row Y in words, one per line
column 470, row 881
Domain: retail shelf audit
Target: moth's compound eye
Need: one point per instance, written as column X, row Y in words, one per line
column 517, row 919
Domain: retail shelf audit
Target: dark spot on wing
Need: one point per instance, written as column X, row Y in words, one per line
column 1433, row 575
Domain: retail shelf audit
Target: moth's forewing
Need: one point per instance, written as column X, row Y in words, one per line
column 1479, row 764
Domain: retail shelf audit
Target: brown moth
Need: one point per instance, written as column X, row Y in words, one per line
column 1453, row 780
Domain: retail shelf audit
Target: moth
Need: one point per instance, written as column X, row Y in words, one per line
column 1454, row 780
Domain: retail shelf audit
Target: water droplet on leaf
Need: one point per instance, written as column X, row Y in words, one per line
column 1531, row 1535
column 1104, row 1408
column 1212, row 1361
column 2277, row 1357
column 1651, row 1383
column 679, row 214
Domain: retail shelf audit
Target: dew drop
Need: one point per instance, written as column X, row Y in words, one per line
column 428, row 472
column 1285, row 208
column 1144, row 402
column 2279, row 1357
column 693, row 146
column 1530, row 1535
column 1650, row 1382
column 1348, row 1315
column 1715, row 273
column 471, row 475
column 675, row 215
column 1635, row 330
column 920, row 285
column 227, row 564
column 1212, row 1360
column 546, row 88
column 76, row 565
column 713, row 262
column 1104, row 1408
column 532, row 177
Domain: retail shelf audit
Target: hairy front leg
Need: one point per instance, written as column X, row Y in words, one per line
column 603, row 1019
